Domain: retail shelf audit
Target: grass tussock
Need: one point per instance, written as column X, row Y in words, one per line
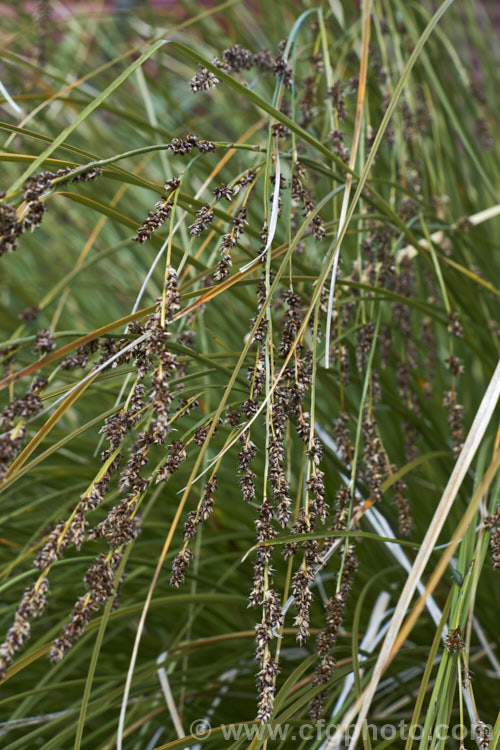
column 248, row 451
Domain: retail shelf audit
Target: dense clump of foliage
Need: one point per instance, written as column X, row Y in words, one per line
column 248, row 457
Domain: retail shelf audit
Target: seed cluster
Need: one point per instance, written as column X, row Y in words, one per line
column 120, row 526
column 44, row 342
column 14, row 223
column 203, row 80
column 454, row 641
column 247, row 476
column 336, row 138
column 33, row 604
column 154, row 221
column 229, row 240
column 365, row 340
column 334, row 611
column 176, row 456
column 265, row 631
column 185, row 145
column 237, row 58
column 81, row 356
column 337, row 96
column 39, row 184
column 202, row 512
column 204, row 509
column 403, row 506
column 302, row 195
column 454, row 325
column 12, row 422
column 30, row 314
column 201, row 432
column 99, row 581
column 483, row 735
column 455, row 419
column 204, row 217
column 64, row 535
column 12, row 227
column 493, row 522
column 495, row 548
column 374, row 464
column 161, row 213
column 342, row 438
column 223, row 191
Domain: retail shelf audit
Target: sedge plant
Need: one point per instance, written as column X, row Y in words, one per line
column 249, row 452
